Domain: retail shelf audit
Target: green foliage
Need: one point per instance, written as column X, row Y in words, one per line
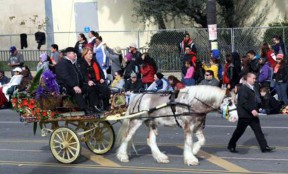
column 164, row 49
column 158, row 11
column 270, row 32
column 35, row 82
column 167, row 38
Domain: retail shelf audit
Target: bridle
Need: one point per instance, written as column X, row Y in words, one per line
column 219, row 110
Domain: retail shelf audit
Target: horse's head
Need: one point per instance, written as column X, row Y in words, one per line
column 228, row 107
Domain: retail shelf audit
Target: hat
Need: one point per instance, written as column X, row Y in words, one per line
column 12, row 49
column 17, row 69
column 89, row 45
column 159, row 75
column 215, row 54
column 133, row 45
column 117, row 50
column 70, row 49
column 133, row 74
column 129, row 56
column 43, row 57
column 279, row 56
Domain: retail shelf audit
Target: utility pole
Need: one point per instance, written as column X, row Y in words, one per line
column 212, row 23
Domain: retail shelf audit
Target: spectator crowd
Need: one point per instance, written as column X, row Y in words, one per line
column 92, row 70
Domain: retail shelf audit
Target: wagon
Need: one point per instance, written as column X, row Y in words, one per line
column 68, row 129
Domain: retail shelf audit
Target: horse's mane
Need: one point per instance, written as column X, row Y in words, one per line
column 204, row 93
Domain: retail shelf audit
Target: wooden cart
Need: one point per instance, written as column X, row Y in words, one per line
column 67, row 130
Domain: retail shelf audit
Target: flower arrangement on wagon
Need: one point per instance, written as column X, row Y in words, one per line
column 40, row 101
column 47, row 96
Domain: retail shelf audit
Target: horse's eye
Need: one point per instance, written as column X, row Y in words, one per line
column 230, row 103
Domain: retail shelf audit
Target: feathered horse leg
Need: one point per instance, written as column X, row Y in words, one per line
column 125, row 134
column 199, row 135
column 189, row 158
column 156, row 153
column 201, row 141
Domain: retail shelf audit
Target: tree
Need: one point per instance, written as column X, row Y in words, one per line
column 231, row 13
column 159, row 11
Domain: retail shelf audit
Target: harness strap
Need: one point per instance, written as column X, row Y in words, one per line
column 173, row 108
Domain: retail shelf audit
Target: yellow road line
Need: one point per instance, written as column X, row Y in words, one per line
column 123, row 168
column 144, row 143
column 98, row 159
column 126, row 168
column 221, row 162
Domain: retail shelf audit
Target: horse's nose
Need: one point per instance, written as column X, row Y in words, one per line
column 233, row 117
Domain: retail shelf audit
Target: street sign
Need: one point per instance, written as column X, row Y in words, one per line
column 86, row 29
column 212, row 30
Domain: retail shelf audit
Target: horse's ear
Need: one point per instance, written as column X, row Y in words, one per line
column 227, row 93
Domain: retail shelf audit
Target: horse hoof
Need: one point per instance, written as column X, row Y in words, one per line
column 163, row 161
column 162, row 158
column 123, row 158
column 192, row 163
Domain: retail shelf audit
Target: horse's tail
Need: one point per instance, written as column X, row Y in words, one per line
column 122, row 132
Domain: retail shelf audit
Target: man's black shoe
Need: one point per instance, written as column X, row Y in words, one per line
column 88, row 112
column 232, row 149
column 268, row 149
column 96, row 109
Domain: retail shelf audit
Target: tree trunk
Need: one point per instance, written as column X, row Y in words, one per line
column 161, row 23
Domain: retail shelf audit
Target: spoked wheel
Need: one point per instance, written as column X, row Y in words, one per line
column 102, row 138
column 65, row 145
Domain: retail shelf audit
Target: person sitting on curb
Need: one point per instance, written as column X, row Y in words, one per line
column 209, row 79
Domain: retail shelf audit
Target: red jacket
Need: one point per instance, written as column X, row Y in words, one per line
column 271, row 61
column 147, row 72
column 179, row 85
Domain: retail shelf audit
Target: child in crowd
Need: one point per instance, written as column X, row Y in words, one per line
column 188, row 79
column 269, row 104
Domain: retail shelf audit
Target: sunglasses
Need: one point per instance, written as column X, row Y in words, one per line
column 207, row 74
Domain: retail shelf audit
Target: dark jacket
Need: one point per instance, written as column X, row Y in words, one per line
column 247, row 102
column 131, row 66
column 254, row 66
column 4, row 80
column 230, row 75
column 282, row 74
column 137, row 57
column 134, row 87
column 68, row 74
column 87, row 72
column 40, row 38
column 270, row 104
column 23, row 40
column 79, row 47
column 278, row 47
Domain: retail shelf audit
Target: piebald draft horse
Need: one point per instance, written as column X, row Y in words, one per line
column 188, row 110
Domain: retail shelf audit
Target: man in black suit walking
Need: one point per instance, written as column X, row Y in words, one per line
column 248, row 102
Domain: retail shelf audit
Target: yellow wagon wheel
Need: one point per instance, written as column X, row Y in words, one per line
column 102, row 138
column 65, row 145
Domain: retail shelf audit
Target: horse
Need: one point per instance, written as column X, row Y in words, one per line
column 188, row 110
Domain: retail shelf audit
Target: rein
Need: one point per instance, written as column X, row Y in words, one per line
column 173, row 105
column 218, row 110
